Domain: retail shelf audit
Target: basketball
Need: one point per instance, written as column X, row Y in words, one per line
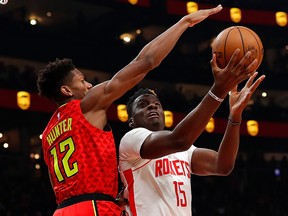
column 231, row 38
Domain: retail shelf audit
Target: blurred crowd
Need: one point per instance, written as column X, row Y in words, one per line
column 24, row 78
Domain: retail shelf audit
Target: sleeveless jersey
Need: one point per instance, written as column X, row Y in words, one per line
column 159, row 186
column 80, row 157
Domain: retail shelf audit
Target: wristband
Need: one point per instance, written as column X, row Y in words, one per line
column 215, row 97
column 234, row 123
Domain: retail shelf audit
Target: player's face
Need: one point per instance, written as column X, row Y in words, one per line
column 79, row 86
column 147, row 112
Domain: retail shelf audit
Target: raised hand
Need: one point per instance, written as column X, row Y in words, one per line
column 200, row 15
column 239, row 100
column 234, row 73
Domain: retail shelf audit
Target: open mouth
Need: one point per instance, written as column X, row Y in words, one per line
column 153, row 115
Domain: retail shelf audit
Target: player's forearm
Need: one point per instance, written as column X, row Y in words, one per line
column 228, row 149
column 149, row 57
column 160, row 47
column 195, row 122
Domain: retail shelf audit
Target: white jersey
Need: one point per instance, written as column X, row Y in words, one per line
column 160, row 187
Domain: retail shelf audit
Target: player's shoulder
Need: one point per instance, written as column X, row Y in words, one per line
column 135, row 135
column 136, row 132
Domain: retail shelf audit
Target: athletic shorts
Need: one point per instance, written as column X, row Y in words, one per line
column 90, row 208
column 89, row 205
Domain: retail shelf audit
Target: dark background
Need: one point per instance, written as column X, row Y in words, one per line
column 88, row 32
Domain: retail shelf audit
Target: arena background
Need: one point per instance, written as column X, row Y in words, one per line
column 89, row 33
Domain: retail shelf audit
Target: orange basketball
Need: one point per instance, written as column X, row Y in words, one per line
column 228, row 40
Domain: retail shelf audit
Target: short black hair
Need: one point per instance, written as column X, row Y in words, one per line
column 136, row 94
column 51, row 78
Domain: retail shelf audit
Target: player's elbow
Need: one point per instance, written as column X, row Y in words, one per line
column 152, row 61
column 225, row 170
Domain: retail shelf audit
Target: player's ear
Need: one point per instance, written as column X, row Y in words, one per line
column 66, row 91
column 131, row 124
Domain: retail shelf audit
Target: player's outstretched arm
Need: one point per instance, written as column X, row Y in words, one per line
column 148, row 58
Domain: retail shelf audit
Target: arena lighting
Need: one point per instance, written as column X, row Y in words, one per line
column 5, row 145
column 264, row 94
column 127, row 37
column 168, row 118
column 122, row 112
column 37, row 156
column 3, row 2
column 133, row 2
column 252, row 127
column 210, row 127
column 191, row 7
column 23, row 100
column 277, row 172
column 33, row 22
column 235, row 15
column 281, row 18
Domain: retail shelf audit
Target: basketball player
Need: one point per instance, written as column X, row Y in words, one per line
column 78, row 144
column 155, row 164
